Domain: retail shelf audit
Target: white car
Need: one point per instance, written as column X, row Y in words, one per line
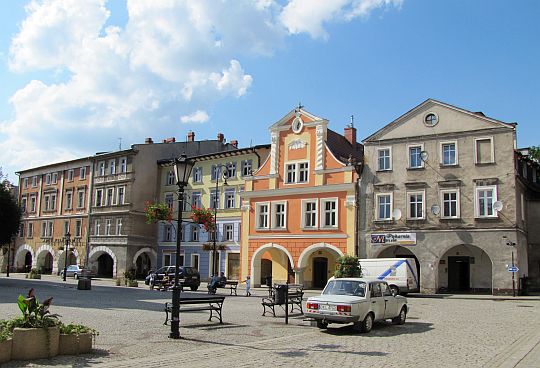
column 358, row 301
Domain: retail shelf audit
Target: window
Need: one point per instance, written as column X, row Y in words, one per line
column 212, row 234
column 384, row 206
column 279, row 215
column 118, row 226
column 82, row 173
column 47, row 200
column 449, row 153
column 216, row 171
column 48, row 179
column 50, row 202
column 197, row 175
column 169, row 200
column 195, row 261
column 66, row 228
column 291, row 173
column 262, row 215
column 228, row 232
column 53, row 202
column 34, row 181
column 25, row 185
column 69, row 200
column 120, row 195
column 247, row 166
column 329, row 212
column 416, row 205
column 415, row 157
column 167, row 233
column 33, row 203
column 485, row 197
column 110, row 196
column 23, row 204
column 112, row 167
column 450, row 202
column 46, row 229
column 166, row 260
column 484, row 150
column 297, row 172
column 123, row 164
column 231, row 169
column 78, row 228
column 309, row 216
column 108, row 226
column 229, row 199
column 70, row 175
column 431, row 119
column 54, row 178
column 170, row 178
column 97, row 226
column 99, row 197
column 195, row 233
column 384, row 156
column 303, row 170
column 214, row 199
column 101, row 168
column 196, row 199
column 30, row 232
column 80, row 199
column 21, row 230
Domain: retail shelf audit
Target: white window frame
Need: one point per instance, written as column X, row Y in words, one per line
column 97, row 227
column 169, row 200
column 226, row 232
column 109, row 200
column 33, row 203
column 258, row 214
column 275, row 213
column 112, row 166
column 24, row 204
column 100, row 197
column 101, row 168
column 477, row 201
column 197, row 175
column 70, row 174
column 80, row 204
column 417, row 145
column 193, row 256
column 119, row 225
column 458, row 204
column 389, row 168
column 82, row 173
column 47, row 179
column 78, row 228
column 120, row 200
column 247, row 167
column 476, row 150
column 215, row 196
column 108, row 226
column 123, row 165
column 54, row 178
column 441, row 152
column 170, row 178
column 168, row 233
column 197, row 203
column 195, row 233
column 230, row 169
column 377, row 196
column 34, row 181
column 227, row 195
column 316, row 217
column 323, row 211
column 69, row 199
column 30, row 231
column 416, row 192
column 296, row 172
column 25, row 183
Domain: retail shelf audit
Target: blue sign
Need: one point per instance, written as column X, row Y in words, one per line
column 513, row 269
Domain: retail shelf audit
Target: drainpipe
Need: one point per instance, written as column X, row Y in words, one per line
column 90, row 191
column 359, row 170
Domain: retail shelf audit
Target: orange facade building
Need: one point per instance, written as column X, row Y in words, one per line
column 299, row 208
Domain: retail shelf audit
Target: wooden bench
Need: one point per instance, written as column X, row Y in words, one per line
column 294, row 299
column 229, row 284
column 164, row 285
column 200, row 303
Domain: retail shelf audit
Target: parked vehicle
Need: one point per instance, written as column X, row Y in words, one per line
column 357, row 301
column 401, row 274
column 75, row 271
column 189, row 276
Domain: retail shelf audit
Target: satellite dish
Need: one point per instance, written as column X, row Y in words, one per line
column 435, row 209
column 498, row 206
column 396, row 214
column 424, row 156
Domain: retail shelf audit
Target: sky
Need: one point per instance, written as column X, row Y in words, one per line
column 80, row 77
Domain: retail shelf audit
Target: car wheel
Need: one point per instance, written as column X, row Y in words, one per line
column 194, row 288
column 75, row 276
column 367, row 324
column 400, row 319
column 394, row 289
column 322, row 325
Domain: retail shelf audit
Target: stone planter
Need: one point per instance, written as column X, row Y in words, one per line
column 75, row 344
column 133, row 283
column 35, row 343
column 5, row 351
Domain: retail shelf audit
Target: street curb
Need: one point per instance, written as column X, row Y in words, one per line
column 518, row 350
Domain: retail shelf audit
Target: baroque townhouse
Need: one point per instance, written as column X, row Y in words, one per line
column 55, row 200
column 197, row 244
column 124, row 181
column 299, row 208
column 440, row 185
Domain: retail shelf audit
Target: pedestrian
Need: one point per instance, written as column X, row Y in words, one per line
column 248, row 285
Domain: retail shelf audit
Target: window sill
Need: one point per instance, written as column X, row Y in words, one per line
column 450, row 219
column 486, row 218
column 383, row 221
column 385, row 170
column 450, row 166
column 416, row 168
column 484, row 163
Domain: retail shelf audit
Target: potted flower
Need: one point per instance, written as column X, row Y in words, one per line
column 203, row 216
column 33, row 274
column 157, row 211
column 6, row 342
column 75, row 339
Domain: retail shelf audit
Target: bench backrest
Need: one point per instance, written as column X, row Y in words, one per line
column 218, row 299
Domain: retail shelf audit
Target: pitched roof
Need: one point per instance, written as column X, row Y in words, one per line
column 343, row 149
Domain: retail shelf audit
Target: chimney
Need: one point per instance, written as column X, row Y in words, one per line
column 220, row 137
column 350, row 133
column 234, row 143
column 148, row 141
column 191, row 136
column 169, row 140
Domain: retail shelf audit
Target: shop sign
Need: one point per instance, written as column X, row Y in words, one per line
column 394, row 239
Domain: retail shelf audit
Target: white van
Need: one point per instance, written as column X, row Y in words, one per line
column 400, row 273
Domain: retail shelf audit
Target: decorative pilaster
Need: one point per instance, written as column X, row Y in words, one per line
column 274, row 154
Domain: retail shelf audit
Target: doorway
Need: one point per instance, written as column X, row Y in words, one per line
column 320, row 272
column 105, row 265
column 266, row 272
column 459, row 273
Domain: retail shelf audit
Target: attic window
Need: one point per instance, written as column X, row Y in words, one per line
column 431, row 119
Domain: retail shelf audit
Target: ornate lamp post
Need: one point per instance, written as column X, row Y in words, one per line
column 66, row 250
column 182, row 172
column 218, row 168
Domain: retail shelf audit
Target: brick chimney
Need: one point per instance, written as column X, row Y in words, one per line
column 234, row 143
column 169, row 140
column 148, row 141
column 220, row 137
column 350, row 134
column 191, row 136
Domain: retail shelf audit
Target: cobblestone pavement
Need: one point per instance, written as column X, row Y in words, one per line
column 444, row 332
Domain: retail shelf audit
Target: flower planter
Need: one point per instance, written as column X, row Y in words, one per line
column 5, row 351
column 133, row 283
column 35, row 343
column 75, row 344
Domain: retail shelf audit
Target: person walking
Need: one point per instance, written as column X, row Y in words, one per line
column 248, row 285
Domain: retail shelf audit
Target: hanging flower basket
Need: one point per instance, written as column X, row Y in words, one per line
column 203, row 216
column 157, row 212
column 210, row 246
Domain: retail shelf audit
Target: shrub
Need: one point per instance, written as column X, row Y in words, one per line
column 74, row 329
column 348, row 266
column 33, row 274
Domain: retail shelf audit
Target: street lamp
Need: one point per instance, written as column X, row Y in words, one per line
column 182, row 172
column 218, row 169
column 66, row 249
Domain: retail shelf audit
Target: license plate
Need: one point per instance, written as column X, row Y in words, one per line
column 327, row 307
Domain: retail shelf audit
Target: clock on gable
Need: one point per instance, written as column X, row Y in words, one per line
column 297, row 123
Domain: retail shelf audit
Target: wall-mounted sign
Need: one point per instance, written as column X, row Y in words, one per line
column 394, row 239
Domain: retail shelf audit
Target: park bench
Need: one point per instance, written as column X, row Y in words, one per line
column 278, row 296
column 200, row 303
column 229, row 284
column 164, row 285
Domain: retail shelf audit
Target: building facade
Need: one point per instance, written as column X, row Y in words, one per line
column 439, row 185
column 208, row 189
column 299, row 208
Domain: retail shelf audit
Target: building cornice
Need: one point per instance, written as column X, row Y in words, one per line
column 299, row 236
column 302, row 190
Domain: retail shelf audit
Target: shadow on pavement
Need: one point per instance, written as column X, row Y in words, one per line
column 382, row 329
column 84, row 360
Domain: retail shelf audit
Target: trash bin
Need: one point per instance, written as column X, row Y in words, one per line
column 268, row 280
column 523, row 286
column 281, row 292
column 84, row 284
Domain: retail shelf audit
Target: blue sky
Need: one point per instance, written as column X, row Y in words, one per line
column 77, row 75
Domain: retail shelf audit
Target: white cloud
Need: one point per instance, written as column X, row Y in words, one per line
column 198, row 116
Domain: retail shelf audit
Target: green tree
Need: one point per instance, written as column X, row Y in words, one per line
column 348, row 266
column 534, row 152
column 10, row 213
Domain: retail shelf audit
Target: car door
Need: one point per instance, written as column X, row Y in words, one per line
column 390, row 302
column 377, row 300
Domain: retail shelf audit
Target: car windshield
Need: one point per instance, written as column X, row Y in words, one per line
column 345, row 287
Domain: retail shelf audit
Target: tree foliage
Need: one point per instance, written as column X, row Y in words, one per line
column 10, row 213
column 348, row 266
column 534, row 153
